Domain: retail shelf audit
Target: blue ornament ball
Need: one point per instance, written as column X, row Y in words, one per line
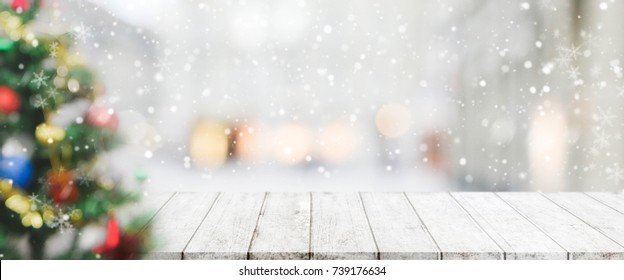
column 17, row 169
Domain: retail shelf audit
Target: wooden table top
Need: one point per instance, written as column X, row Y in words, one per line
column 419, row 226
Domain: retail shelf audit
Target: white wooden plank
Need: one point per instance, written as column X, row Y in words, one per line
column 339, row 228
column 283, row 231
column 399, row 233
column 599, row 216
column 227, row 231
column 613, row 200
column 578, row 238
column 518, row 237
column 177, row 221
column 456, row 234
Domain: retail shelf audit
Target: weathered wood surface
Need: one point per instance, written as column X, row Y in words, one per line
column 177, row 221
column 386, row 225
column 340, row 228
column 283, row 230
column 455, row 232
column 398, row 231
column 615, row 201
column 597, row 215
column 518, row 237
column 580, row 239
column 226, row 232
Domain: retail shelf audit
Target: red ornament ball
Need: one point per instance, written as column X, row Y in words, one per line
column 9, row 101
column 102, row 117
column 62, row 188
column 119, row 245
column 22, row 5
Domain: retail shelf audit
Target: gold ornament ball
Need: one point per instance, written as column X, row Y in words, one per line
column 76, row 215
column 49, row 134
column 48, row 216
column 6, row 188
column 32, row 219
column 18, row 204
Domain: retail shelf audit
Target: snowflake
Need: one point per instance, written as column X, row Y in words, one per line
column 40, row 79
column 615, row 173
column 53, row 93
column 572, row 52
column 82, row 32
column 163, row 64
column 83, row 178
column 604, row 117
column 40, row 102
column 34, row 199
column 573, row 73
column 602, row 139
column 46, row 203
column 61, row 221
column 54, row 49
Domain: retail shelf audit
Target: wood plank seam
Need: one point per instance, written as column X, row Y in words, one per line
column 369, row 225
column 424, row 226
column 149, row 222
column 519, row 238
column 255, row 233
column 603, row 203
column 202, row 221
column 568, row 254
column 479, row 226
column 340, row 229
column 585, row 222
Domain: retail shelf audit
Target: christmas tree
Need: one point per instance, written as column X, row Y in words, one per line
column 51, row 134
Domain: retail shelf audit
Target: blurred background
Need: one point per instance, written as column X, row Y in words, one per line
column 366, row 95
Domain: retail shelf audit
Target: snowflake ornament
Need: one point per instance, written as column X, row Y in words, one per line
column 36, row 203
column 83, row 179
column 40, row 79
column 61, row 221
column 54, row 46
column 40, row 102
column 82, row 32
column 53, row 93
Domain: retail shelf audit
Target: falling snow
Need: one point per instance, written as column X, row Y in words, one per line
column 497, row 96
